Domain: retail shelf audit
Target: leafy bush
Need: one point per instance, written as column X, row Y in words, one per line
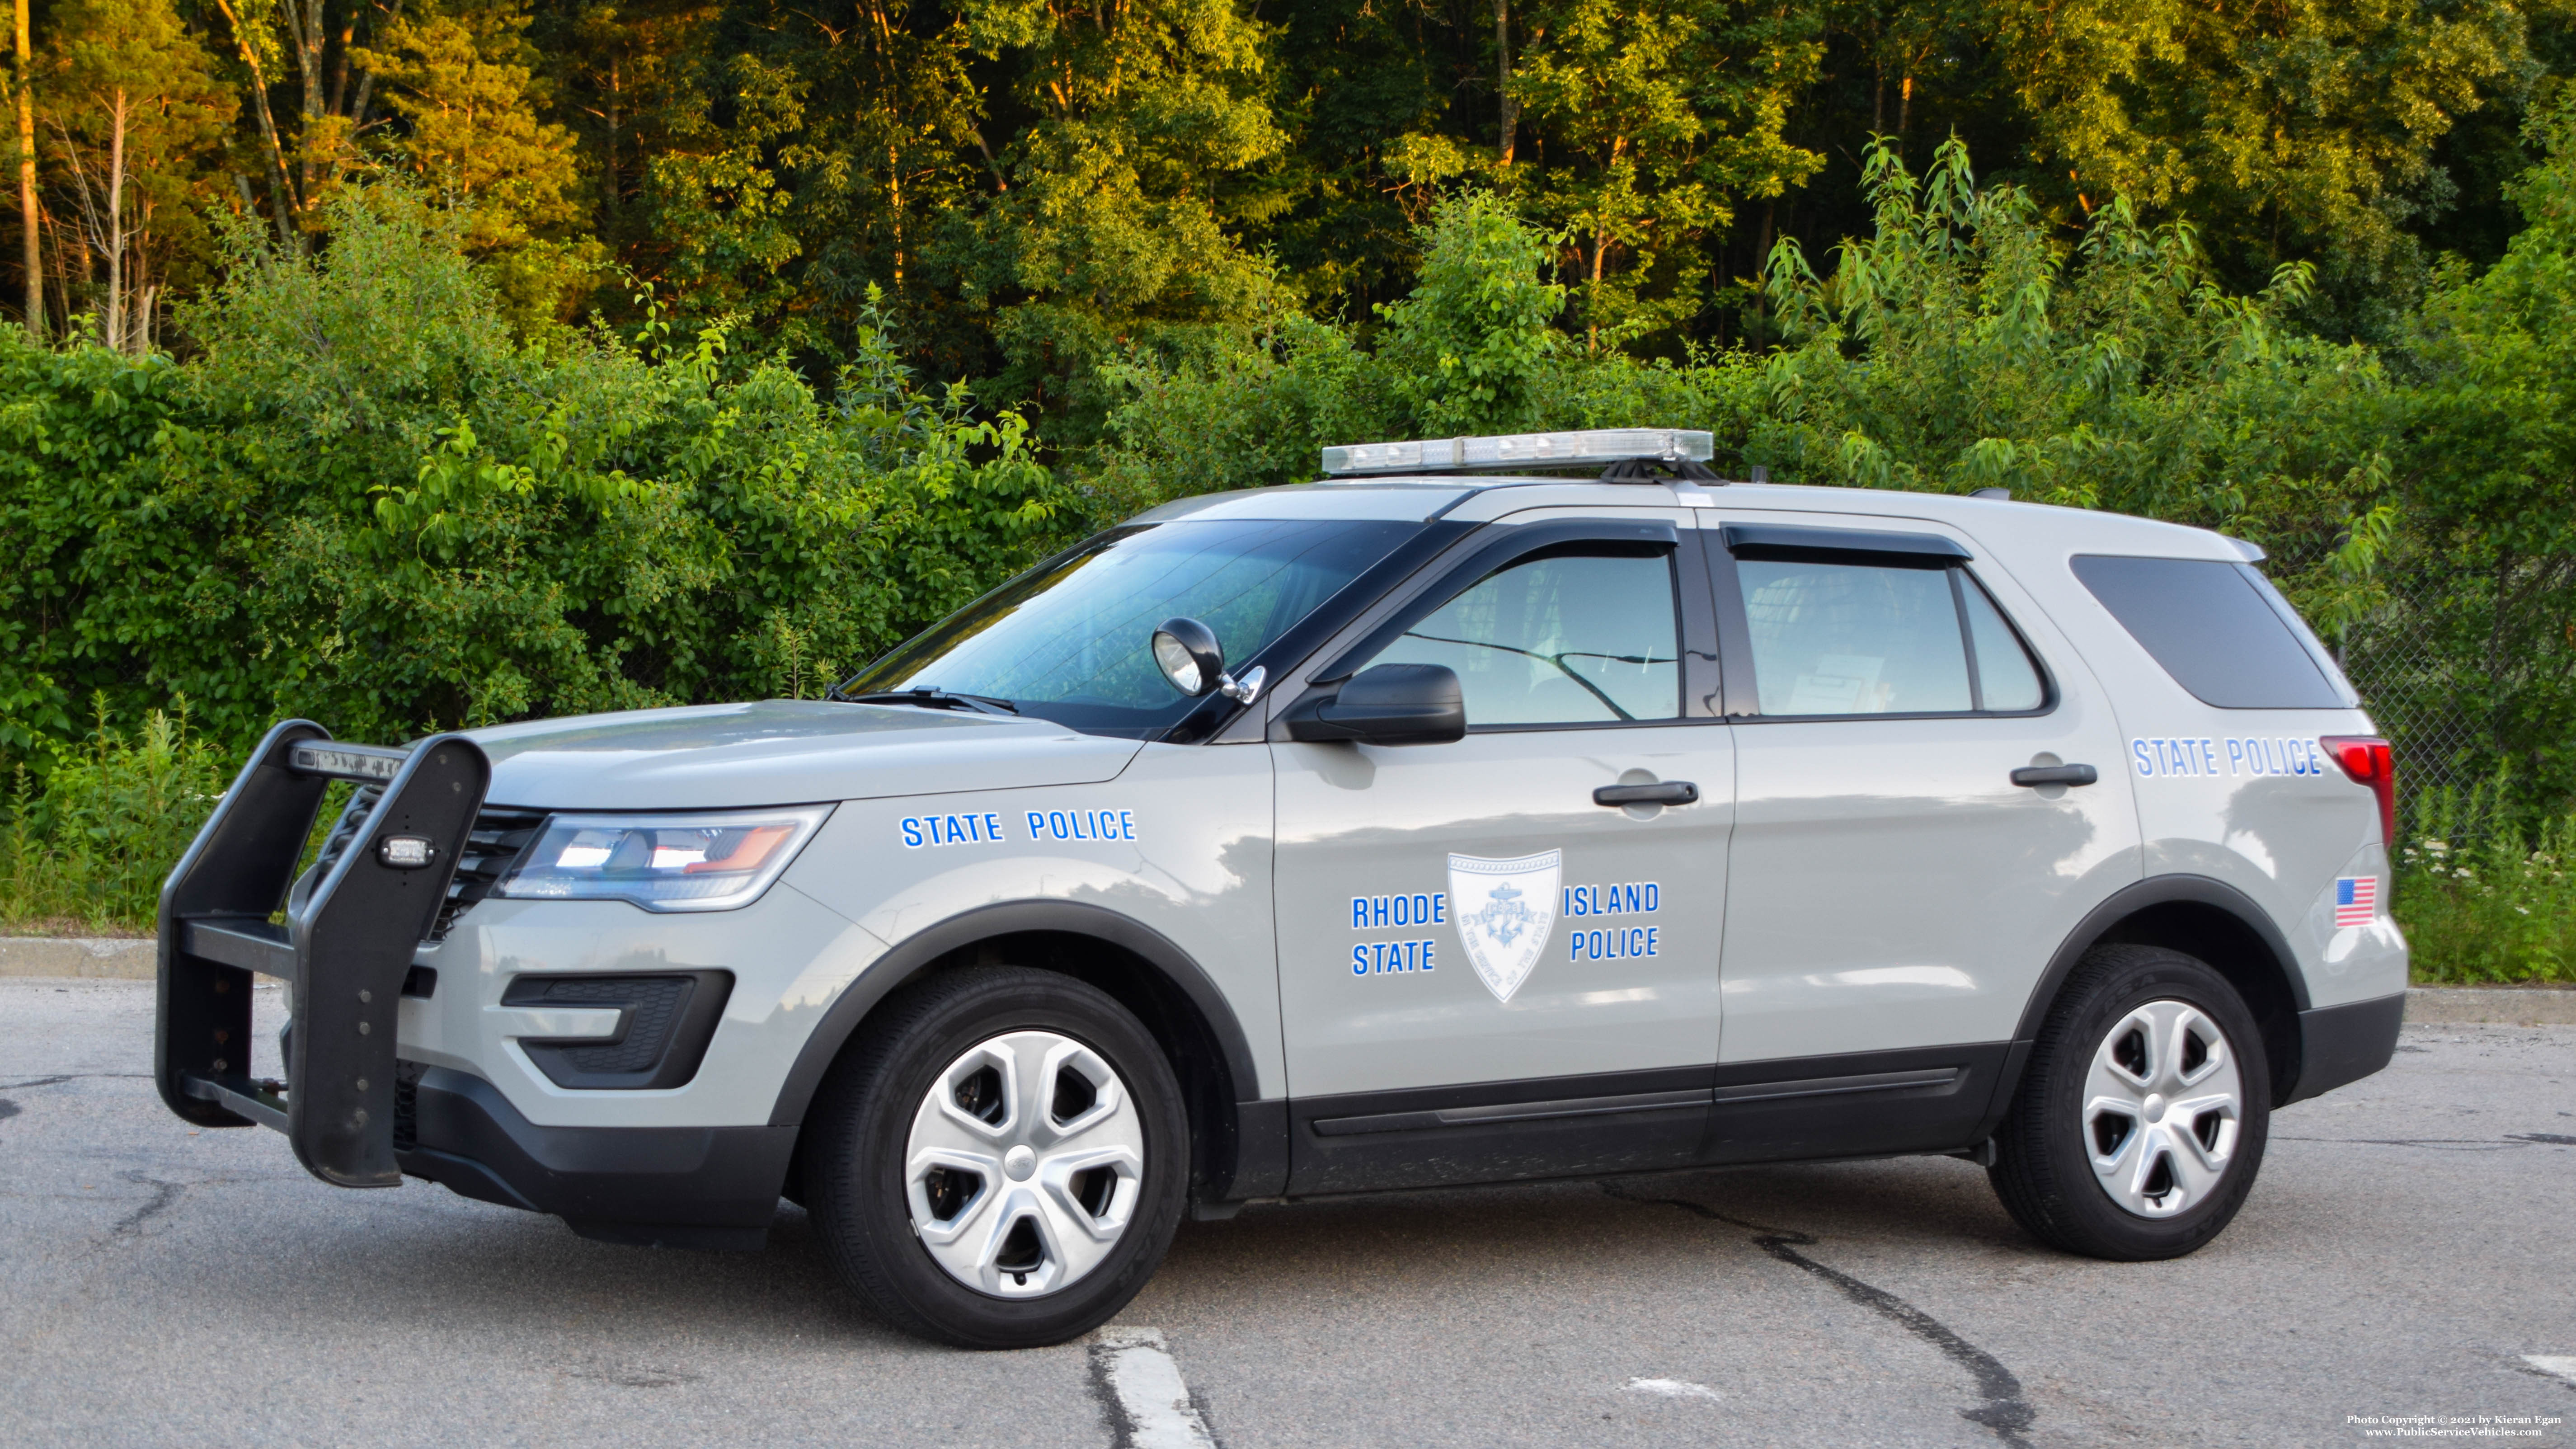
column 368, row 504
column 89, row 850
column 2480, row 898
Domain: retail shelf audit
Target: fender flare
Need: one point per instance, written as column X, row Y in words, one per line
column 907, row 959
column 2160, row 890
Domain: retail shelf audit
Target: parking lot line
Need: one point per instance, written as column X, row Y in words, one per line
column 1143, row 1385
column 2562, row 1365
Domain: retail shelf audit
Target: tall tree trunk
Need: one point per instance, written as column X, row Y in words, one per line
column 116, row 221
column 281, row 201
column 306, row 22
column 1592, row 305
column 32, row 255
column 1511, row 110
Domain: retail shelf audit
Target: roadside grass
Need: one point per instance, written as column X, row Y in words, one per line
column 2483, row 898
column 83, row 853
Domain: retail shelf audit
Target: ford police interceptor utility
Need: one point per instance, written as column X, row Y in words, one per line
column 1425, row 825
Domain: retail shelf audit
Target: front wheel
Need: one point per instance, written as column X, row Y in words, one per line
column 2138, row 1126
column 1000, row 1161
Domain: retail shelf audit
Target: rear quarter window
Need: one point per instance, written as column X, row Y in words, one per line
column 2218, row 628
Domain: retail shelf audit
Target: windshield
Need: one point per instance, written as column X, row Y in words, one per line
column 1071, row 640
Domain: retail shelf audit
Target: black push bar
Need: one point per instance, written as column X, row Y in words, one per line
column 352, row 924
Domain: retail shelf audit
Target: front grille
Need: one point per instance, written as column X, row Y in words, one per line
column 499, row 834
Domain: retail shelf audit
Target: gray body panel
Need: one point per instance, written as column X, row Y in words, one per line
column 1359, row 822
column 781, row 752
column 1892, row 887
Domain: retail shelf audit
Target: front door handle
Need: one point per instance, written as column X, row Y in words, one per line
column 1666, row 792
column 2055, row 775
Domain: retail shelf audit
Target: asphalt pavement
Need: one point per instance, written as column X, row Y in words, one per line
column 2405, row 1270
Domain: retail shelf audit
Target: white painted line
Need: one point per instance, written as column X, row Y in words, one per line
column 2563, row 1366
column 1675, row 1389
column 1140, row 1372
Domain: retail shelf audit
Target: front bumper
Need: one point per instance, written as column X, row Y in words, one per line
column 692, row 1187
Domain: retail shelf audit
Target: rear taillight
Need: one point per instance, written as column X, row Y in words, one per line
column 2369, row 761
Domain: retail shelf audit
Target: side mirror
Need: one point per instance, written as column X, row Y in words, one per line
column 1189, row 656
column 1391, row 704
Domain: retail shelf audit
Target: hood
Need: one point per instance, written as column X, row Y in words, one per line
column 781, row 752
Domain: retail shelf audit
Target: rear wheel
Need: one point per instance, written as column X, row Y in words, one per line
column 2139, row 1124
column 1000, row 1161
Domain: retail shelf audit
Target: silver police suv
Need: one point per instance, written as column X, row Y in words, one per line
column 1452, row 820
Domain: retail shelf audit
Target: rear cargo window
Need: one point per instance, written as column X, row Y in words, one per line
column 2218, row 628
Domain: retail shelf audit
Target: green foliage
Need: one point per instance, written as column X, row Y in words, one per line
column 88, row 850
column 368, row 504
column 2492, row 476
column 2481, row 898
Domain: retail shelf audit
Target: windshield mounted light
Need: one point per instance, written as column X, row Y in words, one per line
column 1520, row 450
column 697, row 860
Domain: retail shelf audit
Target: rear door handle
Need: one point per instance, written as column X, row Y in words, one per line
column 1666, row 792
column 2055, row 775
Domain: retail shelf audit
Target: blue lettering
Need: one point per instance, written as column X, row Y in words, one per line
column 1427, row 948
column 993, row 823
column 1651, row 933
column 1439, row 907
column 911, row 834
column 2235, row 756
column 1126, row 824
column 1359, row 913
column 2316, row 766
column 2138, row 752
column 1653, row 897
column 1359, row 960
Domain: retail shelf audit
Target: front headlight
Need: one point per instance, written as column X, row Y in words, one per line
column 693, row 861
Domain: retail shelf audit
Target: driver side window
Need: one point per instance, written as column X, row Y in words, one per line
column 1582, row 635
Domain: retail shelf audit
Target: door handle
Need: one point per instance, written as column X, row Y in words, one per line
column 1666, row 792
column 2055, row 775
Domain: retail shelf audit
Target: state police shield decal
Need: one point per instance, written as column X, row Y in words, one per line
column 1505, row 910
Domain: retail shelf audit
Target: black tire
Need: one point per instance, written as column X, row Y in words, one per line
column 854, row 1148
column 2043, row 1168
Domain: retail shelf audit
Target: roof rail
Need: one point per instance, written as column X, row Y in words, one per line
column 1674, row 448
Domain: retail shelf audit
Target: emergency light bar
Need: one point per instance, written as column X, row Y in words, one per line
column 1520, row 450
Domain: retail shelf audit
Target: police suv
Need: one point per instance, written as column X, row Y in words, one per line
column 1449, row 821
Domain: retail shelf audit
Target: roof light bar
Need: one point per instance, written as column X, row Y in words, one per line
column 1519, row 450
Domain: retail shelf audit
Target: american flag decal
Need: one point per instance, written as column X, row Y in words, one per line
column 2356, row 900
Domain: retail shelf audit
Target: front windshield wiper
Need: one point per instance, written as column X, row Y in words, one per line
column 928, row 698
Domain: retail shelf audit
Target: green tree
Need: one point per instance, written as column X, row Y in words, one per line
column 2492, row 475
column 2307, row 129
column 134, row 112
column 1652, row 120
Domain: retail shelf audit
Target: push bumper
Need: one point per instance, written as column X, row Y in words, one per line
column 2341, row 1044
column 352, row 925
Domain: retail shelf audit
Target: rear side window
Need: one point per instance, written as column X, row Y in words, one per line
column 2218, row 628
column 1839, row 636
